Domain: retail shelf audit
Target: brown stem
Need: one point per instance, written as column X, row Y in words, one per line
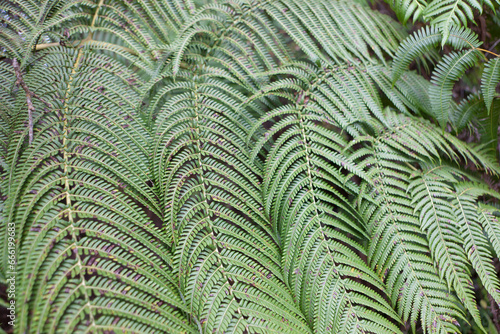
column 495, row 311
column 29, row 95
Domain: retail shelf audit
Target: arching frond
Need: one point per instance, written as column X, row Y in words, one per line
column 88, row 254
column 424, row 40
column 307, row 198
column 224, row 256
column 431, row 194
column 490, row 80
column 487, row 124
column 475, row 243
column 245, row 166
column 448, row 13
column 447, row 72
column 341, row 31
column 398, row 249
column 122, row 27
column 463, row 114
column 397, row 223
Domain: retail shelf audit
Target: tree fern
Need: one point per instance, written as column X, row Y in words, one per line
column 314, row 221
column 209, row 192
column 398, row 250
column 178, row 166
column 88, row 252
column 452, row 67
column 443, row 14
column 489, row 81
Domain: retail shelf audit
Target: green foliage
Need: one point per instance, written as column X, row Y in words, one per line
column 243, row 167
column 490, row 80
column 447, row 72
column 443, row 14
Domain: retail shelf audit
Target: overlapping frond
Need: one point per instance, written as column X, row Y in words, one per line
column 448, row 71
column 462, row 114
column 247, row 166
column 399, row 246
column 443, row 14
column 406, row 9
column 424, row 40
column 224, row 256
column 475, row 243
column 448, row 13
column 409, row 94
column 89, row 257
column 487, row 122
column 132, row 31
column 340, row 31
column 490, row 80
column 307, row 194
column 431, row 194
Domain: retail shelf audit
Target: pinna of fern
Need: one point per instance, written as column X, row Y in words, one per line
column 395, row 240
column 88, row 254
column 448, row 71
column 442, row 14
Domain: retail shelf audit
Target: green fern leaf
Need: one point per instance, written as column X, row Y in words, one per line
column 475, row 242
column 447, row 72
column 318, row 228
column 424, row 40
column 448, row 13
column 463, row 114
column 431, row 196
column 490, row 80
column 225, row 260
column 408, row 8
column 487, row 123
column 87, row 256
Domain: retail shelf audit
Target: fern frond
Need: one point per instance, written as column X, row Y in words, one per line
column 224, row 256
column 430, row 200
column 410, row 93
column 476, row 245
column 468, row 109
column 487, row 123
column 123, row 27
column 320, row 232
column 431, row 196
column 88, row 252
column 448, row 13
column 398, row 247
column 247, row 166
column 490, row 80
column 449, row 70
column 488, row 218
column 340, row 30
column 424, row 40
column 405, row 9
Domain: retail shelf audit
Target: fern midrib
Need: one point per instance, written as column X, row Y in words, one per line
column 66, row 172
column 66, row 177
column 451, row 263
column 380, row 169
column 205, row 199
column 434, row 209
column 472, row 239
column 311, row 185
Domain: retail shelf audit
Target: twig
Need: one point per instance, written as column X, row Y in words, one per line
column 495, row 312
column 494, row 44
column 29, row 95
